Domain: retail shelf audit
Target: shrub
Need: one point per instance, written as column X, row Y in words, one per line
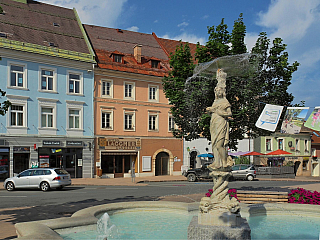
column 303, row 196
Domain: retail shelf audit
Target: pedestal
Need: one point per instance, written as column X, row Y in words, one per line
column 223, row 232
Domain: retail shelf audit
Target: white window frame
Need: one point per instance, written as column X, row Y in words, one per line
column 22, row 101
column 171, row 125
column 270, row 144
column 156, row 121
column 54, row 83
column 48, row 103
column 283, row 143
column 74, row 105
column 297, row 144
column 132, row 97
column 153, row 97
column 306, row 145
column 24, row 81
column 111, row 119
column 80, row 83
column 133, row 114
column 110, row 95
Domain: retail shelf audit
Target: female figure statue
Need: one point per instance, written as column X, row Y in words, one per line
column 219, row 125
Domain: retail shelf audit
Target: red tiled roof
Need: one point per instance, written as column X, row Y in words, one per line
column 33, row 23
column 106, row 41
column 169, row 46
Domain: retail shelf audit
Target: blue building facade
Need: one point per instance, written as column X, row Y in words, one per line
column 50, row 87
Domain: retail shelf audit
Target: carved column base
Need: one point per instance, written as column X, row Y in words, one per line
column 219, row 217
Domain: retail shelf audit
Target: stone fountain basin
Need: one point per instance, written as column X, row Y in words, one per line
column 45, row 229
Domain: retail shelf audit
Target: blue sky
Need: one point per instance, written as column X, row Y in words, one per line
column 297, row 22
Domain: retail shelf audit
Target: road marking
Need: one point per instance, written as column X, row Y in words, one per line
column 117, row 188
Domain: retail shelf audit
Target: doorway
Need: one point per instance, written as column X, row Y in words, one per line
column 193, row 159
column 162, row 164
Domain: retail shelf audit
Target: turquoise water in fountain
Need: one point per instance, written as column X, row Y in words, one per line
column 153, row 223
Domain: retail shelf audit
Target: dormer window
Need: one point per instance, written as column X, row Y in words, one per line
column 117, row 58
column 154, row 64
column 3, row 35
column 56, row 24
column 51, row 44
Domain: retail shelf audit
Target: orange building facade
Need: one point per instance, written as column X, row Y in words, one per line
column 132, row 115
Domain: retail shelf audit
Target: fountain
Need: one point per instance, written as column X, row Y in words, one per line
column 219, row 216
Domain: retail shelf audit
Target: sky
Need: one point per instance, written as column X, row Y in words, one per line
column 297, row 22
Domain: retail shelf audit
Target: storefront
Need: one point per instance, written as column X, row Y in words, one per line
column 117, row 156
column 74, row 155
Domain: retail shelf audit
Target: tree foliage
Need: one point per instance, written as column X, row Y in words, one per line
column 247, row 94
column 4, row 106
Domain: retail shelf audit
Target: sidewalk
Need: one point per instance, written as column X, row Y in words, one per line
column 142, row 181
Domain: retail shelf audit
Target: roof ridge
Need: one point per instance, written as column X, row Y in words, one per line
column 163, row 48
column 38, row 11
column 114, row 40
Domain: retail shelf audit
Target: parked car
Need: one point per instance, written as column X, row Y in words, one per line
column 3, row 171
column 43, row 178
column 195, row 174
column 243, row 171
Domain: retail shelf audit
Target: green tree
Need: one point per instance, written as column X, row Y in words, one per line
column 247, row 94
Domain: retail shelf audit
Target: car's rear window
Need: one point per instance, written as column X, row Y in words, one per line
column 61, row 171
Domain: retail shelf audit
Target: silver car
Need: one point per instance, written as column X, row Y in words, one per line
column 243, row 171
column 43, row 178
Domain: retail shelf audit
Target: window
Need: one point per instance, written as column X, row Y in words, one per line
column 106, row 120
column 153, row 122
column 305, row 164
column 129, row 90
column 268, row 144
column 128, row 121
column 47, row 79
column 280, row 144
column 16, row 115
column 46, row 117
column 75, row 83
column 154, row 64
column 153, row 93
column 306, row 145
column 17, row 76
column 171, row 123
column 74, row 118
column 117, row 58
column 106, row 88
column 297, row 145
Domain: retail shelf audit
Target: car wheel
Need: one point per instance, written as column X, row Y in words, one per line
column 250, row 178
column 10, row 186
column 44, row 186
column 59, row 188
column 192, row 177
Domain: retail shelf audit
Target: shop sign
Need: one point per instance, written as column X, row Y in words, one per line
column 75, row 143
column 123, row 144
column 51, row 143
column 305, row 158
column 21, row 149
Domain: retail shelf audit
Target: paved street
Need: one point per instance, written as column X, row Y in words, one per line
column 31, row 205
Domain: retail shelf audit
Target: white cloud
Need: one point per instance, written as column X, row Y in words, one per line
column 133, row 29
column 250, row 40
column 98, row 12
column 185, row 37
column 289, row 20
column 310, row 58
column 184, row 24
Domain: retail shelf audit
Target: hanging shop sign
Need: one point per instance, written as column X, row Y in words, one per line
column 51, row 143
column 118, row 143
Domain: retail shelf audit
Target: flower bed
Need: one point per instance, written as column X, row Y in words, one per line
column 232, row 193
column 303, row 196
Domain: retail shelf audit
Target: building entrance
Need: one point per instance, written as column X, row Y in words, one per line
column 118, row 165
column 162, row 164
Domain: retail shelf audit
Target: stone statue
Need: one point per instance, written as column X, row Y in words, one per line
column 219, row 124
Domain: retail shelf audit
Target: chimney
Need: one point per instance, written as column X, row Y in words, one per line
column 137, row 52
